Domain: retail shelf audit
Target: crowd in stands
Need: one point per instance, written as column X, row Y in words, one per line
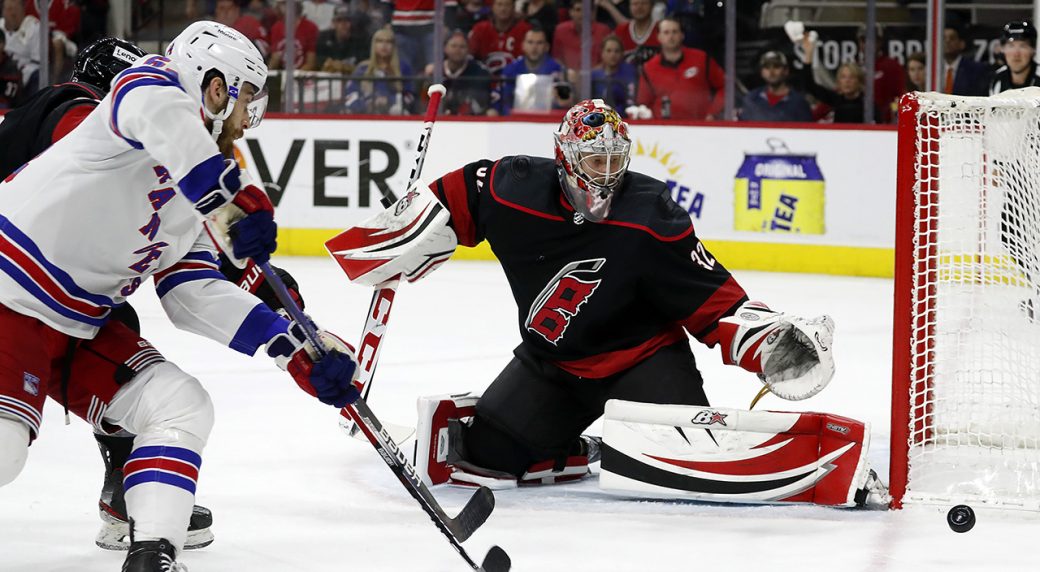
column 524, row 56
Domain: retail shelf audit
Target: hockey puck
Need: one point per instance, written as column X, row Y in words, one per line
column 961, row 518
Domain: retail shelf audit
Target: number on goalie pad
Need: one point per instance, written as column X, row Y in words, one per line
column 730, row 455
column 410, row 238
column 440, row 456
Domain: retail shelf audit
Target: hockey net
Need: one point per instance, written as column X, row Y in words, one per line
column 966, row 359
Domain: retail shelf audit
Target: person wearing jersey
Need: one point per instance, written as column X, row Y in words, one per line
column 1018, row 46
column 152, row 149
column 609, row 280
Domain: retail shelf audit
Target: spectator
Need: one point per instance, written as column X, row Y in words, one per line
column 1018, row 44
column 23, row 42
column 467, row 81
column 320, row 12
column 263, row 11
column 339, row 49
column 775, row 101
column 962, row 75
column 681, row 82
column 306, row 40
column 63, row 21
column 610, row 13
column 889, row 76
column 844, row 104
column 499, row 41
column 229, row 13
column 537, row 61
column 380, row 88
column 614, row 80
column 916, row 72
column 639, row 35
column 10, row 78
column 412, row 21
column 567, row 40
column 541, row 13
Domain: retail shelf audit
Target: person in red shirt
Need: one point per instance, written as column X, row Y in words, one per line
column 639, row 35
column 889, row 76
column 498, row 40
column 566, row 46
column 230, row 14
column 306, row 40
column 680, row 82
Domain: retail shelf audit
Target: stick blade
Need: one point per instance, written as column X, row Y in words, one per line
column 473, row 515
column 496, row 561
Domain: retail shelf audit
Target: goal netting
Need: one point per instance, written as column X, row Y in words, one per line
column 966, row 360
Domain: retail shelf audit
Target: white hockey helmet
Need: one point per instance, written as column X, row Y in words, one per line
column 205, row 46
column 592, row 154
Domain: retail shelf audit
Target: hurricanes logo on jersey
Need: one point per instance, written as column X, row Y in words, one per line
column 562, row 299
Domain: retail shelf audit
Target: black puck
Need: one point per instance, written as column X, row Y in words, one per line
column 961, row 518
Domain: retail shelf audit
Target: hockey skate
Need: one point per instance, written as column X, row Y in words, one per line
column 115, row 530
column 591, row 448
column 152, row 556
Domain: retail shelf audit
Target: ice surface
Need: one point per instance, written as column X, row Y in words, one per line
column 290, row 493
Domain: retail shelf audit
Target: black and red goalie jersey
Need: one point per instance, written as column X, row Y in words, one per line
column 593, row 298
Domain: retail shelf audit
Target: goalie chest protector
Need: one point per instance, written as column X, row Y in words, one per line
column 593, row 298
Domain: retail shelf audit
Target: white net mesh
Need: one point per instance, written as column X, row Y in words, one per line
column 975, row 375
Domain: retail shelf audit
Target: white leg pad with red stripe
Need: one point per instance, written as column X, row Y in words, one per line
column 432, row 440
column 172, row 416
column 731, row 455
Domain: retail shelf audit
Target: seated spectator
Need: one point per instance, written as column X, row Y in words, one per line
column 497, row 42
column 320, row 12
column 614, row 80
column 845, row 101
column 639, row 35
column 467, row 81
column 306, row 40
column 540, row 13
column 470, row 13
column 916, row 72
column 339, row 49
column 962, row 74
column 535, row 61
column 63, row 21
column 229, row 13
column 680, row 82
column 775, row 101
column 566, row 46
column 379, row 87
column 10, row 78
column 22, row 42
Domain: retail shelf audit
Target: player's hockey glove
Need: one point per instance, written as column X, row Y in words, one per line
column 791, row 355
column 331, row 378
column 253, row 232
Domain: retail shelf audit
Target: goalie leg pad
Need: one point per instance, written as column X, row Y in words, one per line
column 729, row 455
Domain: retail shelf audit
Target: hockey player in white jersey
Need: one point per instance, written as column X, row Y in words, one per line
column 121, row 199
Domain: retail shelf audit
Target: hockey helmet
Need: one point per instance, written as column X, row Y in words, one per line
column 1019, row 30
column 592, row 154
column 205, row 46
column 101, row 61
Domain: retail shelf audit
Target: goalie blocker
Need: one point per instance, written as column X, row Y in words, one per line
column 729, row 455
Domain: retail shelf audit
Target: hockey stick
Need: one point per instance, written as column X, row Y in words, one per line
column 477, row 510
column 383, row 296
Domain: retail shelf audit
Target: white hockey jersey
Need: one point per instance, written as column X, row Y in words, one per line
column 111, row 204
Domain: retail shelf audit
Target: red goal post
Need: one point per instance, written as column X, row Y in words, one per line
column 966, row 344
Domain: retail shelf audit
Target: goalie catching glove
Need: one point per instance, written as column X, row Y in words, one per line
column 331, row 378
column 792, row 356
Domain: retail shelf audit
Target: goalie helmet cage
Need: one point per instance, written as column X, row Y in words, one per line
column 966, row 345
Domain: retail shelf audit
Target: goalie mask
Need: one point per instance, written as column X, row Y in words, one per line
column 592, row 153
column 205, row 46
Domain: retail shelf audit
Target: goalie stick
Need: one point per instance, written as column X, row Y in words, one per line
column 383, row 296
column 477, row 510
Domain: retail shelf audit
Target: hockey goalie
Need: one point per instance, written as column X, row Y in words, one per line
column 610, row 282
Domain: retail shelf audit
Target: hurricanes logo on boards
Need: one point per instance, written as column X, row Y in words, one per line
column 562, row 299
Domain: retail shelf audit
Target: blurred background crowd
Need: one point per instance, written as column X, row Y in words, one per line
column 795, row 60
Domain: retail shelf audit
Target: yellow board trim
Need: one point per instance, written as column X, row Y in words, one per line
column 735, row 255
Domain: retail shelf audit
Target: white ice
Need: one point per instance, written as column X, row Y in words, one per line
column 291, row 493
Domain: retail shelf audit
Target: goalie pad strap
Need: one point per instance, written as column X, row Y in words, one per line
column 729, row 455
